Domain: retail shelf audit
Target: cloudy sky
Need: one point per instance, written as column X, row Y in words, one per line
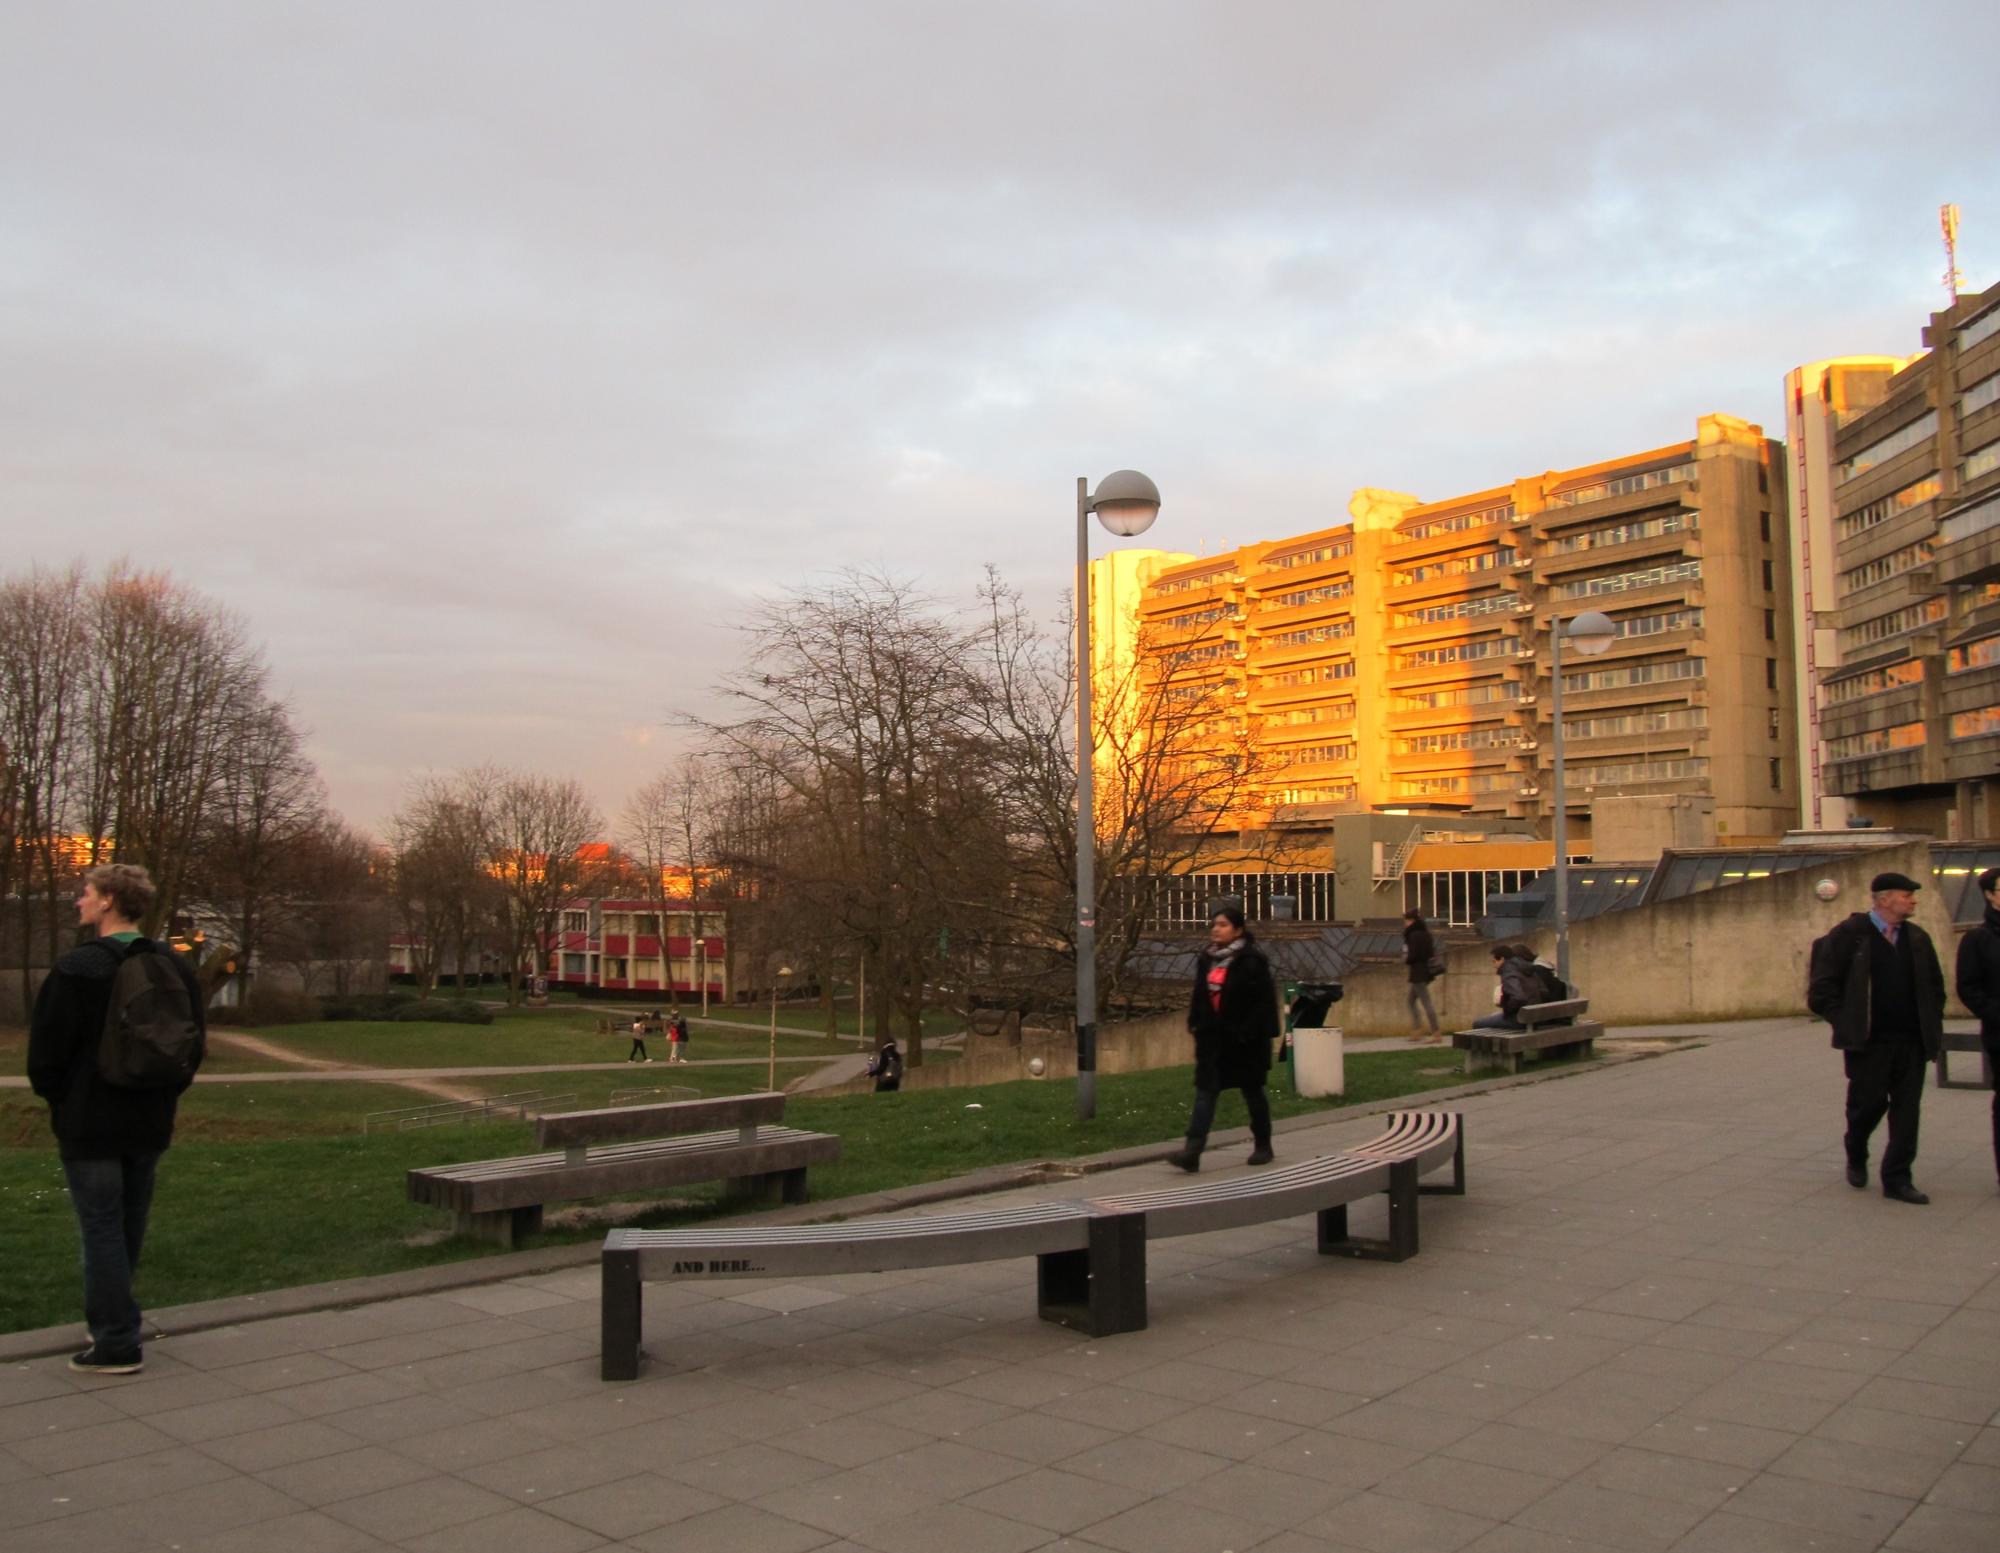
column 489, row 358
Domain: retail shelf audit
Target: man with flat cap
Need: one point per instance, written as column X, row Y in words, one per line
column 1876, row 979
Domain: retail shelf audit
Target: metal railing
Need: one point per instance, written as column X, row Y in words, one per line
column 526, row 1103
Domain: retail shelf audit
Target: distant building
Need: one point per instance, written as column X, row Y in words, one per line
column 1400, row 662
column 1910, row 712
column 616, row 946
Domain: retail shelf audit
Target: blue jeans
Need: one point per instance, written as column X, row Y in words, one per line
column 111, row 1198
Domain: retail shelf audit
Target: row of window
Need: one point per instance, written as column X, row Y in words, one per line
column 1977, row 723
column 1883, row 567
column 1195, row 617
column 1609, row 772
column 1655, row 625
column 1192, row 657
column 1423, row 786
column 1459, row 739
column 1625, row 582
column 1455, row 566
column 1331, row 712
column 1311, row 674
column 1458, row 896
column 1189, row 899
column 1333, row 792
column 1980, row 461
column 1981, row 328
column 1982, row 654
column 1457, row 522
column 1624, row 485
column 1458, row 652
column 1647, row 673
column 1651, row 720
column 1207, row 579
column 1461, row 609
column 1986, row 391
column 1314, row 754
column 1676, row 522
column 1462, row 695
column 1883, row 508
column 1901, row 440
column 1875, row 741
column 1331, row 551
column 1332, row 631
column 1326, row 590
column 1895, row 623
column 1892, row 676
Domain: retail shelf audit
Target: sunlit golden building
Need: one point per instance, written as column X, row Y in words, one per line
column 1910, row 713
column 1400, row 661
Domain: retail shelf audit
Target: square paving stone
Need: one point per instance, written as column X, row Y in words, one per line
column 1472, row 1487
column 1724, row 1532
column 1857, row 1513
column 1147, row 1464
column 745, row 1472
column 90, row 1445
column 412, row 1509
column 1966, row 1486
column 1169, row 1526
column 1057, row 1501
column 955, row 1526
column 847, row 1503
column 306, row 1440
column 1607, row 1518
column 303, row 1531
column 853, row 1442
column 550, row 1472
column 1378, row 1523
column 188, row 1516
column 324, row 1480
column 1539, row 1451
column 1820, row 1460
column 628, row 1506
column 1935, row 1528
column 1220, row 1432
column 1258, row 1495
column 735, row 1528
column 1393, row 1423
column 515, row 1531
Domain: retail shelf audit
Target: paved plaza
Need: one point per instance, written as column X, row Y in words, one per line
column 1659, row 1320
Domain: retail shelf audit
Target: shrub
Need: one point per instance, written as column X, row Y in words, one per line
column 455, row 1011
column 279, row 1006
column 365, row 1005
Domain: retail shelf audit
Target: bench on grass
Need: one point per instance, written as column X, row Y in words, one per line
column 1963, row 1041
column 1090, row 1253
column 628, row 1149
column 1547, row 1029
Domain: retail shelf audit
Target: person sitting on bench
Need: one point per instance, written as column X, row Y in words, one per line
column 1514, row 964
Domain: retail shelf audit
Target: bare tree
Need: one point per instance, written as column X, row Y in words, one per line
column 665, row 830
column 441, row 881
column 538, row 828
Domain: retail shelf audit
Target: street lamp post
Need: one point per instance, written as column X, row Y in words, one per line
column 771, row 1082
column 1591, row 633
column 1126, row 503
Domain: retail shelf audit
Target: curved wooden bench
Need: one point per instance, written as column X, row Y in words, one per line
column 1090, row 1253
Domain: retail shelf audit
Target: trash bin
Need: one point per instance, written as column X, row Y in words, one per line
column 1319, row 1066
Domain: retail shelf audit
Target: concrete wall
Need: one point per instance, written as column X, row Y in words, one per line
column 1738, row 952
column 1134, row 1046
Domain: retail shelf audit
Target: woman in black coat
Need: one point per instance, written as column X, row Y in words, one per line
column 1419, row 951
column 1233, row 1017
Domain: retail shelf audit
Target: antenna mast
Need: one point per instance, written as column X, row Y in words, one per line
column 1948, row 224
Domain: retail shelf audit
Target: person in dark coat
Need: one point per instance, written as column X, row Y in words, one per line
column 110, row 1138
column 1419, row 951
column 1978, row 978
column 1514, row 964
column 887, row 1069
column 1876, row 979
column 1233, row 1017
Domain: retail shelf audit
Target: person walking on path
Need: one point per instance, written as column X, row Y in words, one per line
column 1233, row 1017
column 1876, row 979
column 1978, row 979
column 1420, row 955
column 677, row 1036
column 886, row 1068
column 110, row 1136
column 638, row 1051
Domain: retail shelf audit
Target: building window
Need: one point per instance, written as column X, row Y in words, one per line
column 1623, row 582
column 1774, row 722
column 1978, row 329
column 1764, row 527
column 1857, row 687
column 1974, row 724
column 1883, row 508
column 1901, row 440
column 1986, row 391
column 1980, row 461
column 1876, row 741
column 576, row 922
column 1768, row 580
column 1883, row 567
column 1637, row 674
column 1770, row 673
column 1776, row 779
column 1770, row 625
column 1975, row 655
column 1909, row 618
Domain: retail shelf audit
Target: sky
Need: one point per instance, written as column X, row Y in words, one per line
column 493, row 360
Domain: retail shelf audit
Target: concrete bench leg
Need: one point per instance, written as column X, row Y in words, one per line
column 1457, row 1187
column 1492, row 1062
column 505, row 1227
column 620, row 1315
column 792, row 1185
column 1101, row 1289
column 1400, row 1244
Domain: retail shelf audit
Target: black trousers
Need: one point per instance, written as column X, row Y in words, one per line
column 1886, row 1077
column 1254, row 1098
column 1992, row 1045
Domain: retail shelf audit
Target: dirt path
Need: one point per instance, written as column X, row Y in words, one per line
column 243, row 1041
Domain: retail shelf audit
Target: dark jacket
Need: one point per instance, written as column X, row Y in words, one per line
column 1232, row 1044
column 1838, row 988
column 1519, row 985
column 91, row 1119
column 1978, row 973
column 1419, row 949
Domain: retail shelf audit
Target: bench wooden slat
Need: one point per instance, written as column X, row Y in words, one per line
column 667, row 1119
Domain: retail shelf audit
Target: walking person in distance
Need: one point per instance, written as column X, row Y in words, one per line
column 1876, row 979
column 1978, row 979
column 1420, row 956
column 116, row 1036
column 1233, row 1017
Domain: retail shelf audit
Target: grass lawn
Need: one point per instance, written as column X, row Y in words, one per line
column 272, row 1185
column 809, row 1016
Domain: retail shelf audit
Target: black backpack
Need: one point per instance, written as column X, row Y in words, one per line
column 153, row 1035
column 1553, row 988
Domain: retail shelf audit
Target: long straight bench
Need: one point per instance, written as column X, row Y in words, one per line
column 1548, row 1029
column 1090, row 1253
column 628, row 1149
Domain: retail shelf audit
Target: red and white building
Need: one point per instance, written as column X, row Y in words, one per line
column 616, row 945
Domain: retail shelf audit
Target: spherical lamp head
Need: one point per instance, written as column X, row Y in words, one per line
column 1126, row 502
column 1591, row 633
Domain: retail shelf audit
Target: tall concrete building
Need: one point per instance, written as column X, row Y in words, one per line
column 1400, row 662
column 1910, row 713
column 1819, row 398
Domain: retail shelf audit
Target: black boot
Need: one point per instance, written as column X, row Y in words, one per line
column 1261, row 1154
column 1187, row 1156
